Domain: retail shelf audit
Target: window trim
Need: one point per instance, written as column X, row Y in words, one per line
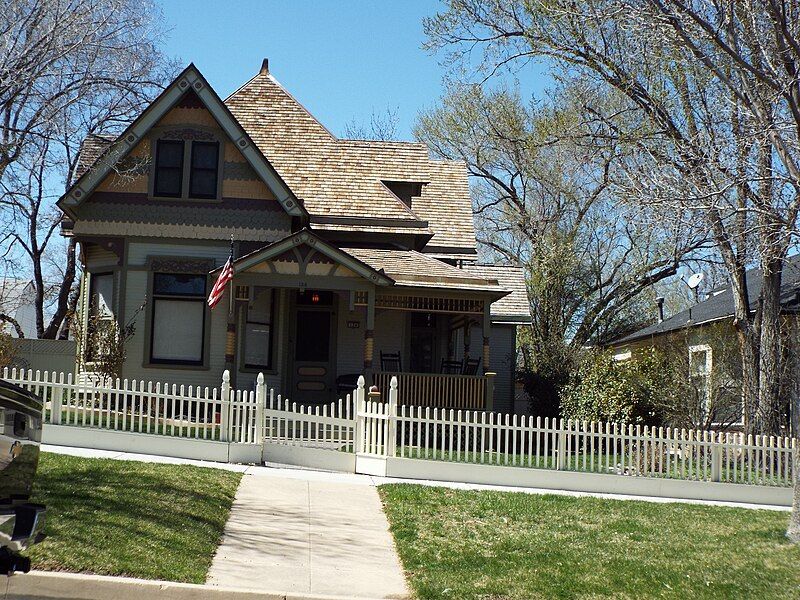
column 159, row 134
column 153, row 268
column 250, row 368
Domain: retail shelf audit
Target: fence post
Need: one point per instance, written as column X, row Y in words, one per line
column 261, row 400
column 392, row 441
column 716, row 458
column 490, row 390
column 561, row 462
column 56, row 399
column 358, row 430
column 225, row 406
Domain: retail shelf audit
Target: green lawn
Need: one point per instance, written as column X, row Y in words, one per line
column 114, row 517
column 461, row 544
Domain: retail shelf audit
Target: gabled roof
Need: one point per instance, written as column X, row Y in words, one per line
column 719, row 304
column 13, row 293
column 189, row 79
column 306, row 237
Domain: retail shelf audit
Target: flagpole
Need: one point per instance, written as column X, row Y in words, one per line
column 230, row 291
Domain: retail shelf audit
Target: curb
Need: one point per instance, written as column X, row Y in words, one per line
column 44, row 585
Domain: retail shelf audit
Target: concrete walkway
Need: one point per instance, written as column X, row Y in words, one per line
column 306, row 536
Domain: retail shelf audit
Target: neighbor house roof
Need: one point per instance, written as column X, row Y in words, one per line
column 13, row 293
column 515, row 307
column 719, row 304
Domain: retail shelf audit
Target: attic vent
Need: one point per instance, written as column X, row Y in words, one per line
column 405, row 190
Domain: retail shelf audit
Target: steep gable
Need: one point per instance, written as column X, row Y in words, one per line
column 188, row 97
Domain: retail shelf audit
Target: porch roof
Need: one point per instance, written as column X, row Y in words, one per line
column 410, row 268
column 514, row 308
column 306, row 237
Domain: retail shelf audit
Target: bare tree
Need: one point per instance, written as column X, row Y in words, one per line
column 68, row 68
column 381, row 126
column 712, row 92
column 714, row 89
column 544, row 200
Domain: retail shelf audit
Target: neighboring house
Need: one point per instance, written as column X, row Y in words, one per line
column 18, row 301
column 351, row 256
column 706, row 330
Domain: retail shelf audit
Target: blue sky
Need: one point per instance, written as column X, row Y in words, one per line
column 342, row 59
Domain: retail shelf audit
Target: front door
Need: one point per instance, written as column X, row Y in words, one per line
column 314, row 347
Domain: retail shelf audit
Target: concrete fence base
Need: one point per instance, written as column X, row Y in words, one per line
column 413, row 468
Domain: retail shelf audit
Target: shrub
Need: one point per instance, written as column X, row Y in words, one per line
column 631, row 391
column 7, row 350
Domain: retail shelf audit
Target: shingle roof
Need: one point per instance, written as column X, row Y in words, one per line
column 91, row 149
column 339, row 178
column 343, row 178
column 720, row 303
column 411, row 268
column 514, row 307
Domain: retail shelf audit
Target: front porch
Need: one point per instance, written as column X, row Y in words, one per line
column 313, row 318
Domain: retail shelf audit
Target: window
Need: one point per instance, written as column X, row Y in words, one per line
column 203, row 178
column 100, row 322
column 258, row 330
column 102, row 290
column 178, row 319
column 169, row 169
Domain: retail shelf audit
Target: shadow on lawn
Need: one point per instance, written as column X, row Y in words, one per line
column 138, row 519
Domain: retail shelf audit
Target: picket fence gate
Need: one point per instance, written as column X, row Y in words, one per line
column 363, row 424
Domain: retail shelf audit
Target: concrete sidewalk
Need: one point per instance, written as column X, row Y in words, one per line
column 307, row 536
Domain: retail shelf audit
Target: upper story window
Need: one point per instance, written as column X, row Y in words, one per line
column 169, row 168
column 203, row 178
column 186, row 168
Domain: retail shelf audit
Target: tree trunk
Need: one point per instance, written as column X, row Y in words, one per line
column 62, row 303
column 793, row 532
column 768, row 417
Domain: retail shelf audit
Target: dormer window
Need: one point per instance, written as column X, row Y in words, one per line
column 186, row 168
column 404, row 190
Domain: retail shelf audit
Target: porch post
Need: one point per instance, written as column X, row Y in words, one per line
column 369, row 335
column 487, row 330
column 467, row 338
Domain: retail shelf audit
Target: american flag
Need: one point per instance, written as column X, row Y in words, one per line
column 222, row 282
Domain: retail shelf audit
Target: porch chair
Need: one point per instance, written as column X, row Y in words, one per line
column 471, row 366
column 390, row 362
column 452, row 367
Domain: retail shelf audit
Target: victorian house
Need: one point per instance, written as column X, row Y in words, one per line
column 350, row 256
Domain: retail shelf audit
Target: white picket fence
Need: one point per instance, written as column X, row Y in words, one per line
column 381, row 429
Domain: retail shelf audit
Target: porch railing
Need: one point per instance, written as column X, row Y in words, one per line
column 473, row 392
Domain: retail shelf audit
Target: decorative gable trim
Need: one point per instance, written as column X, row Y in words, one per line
column 189, row 80
column 307, row 247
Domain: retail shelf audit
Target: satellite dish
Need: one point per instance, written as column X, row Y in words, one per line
column 695, row 280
